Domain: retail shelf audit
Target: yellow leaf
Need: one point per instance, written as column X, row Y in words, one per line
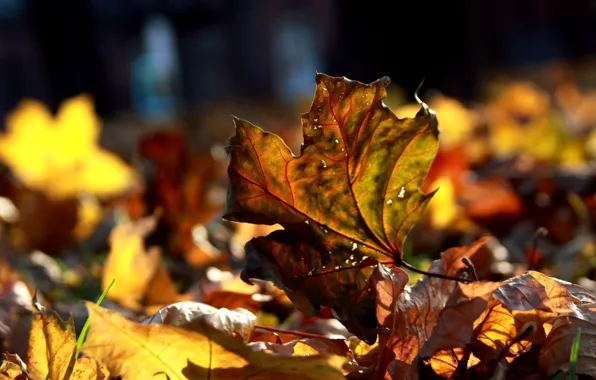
column 59, row 155
column 51, row 351
column 138, row 272
column 12, row 368
column 136, row 351
column 89, row 369
column 442, row 208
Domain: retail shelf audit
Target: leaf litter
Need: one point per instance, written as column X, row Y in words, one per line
column 307, row 274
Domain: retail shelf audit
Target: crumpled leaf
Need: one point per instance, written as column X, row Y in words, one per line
column 13, row 368
column 354, row 192
column 139, row 274
column 554, row 354
column 530, row 298
column 140, row 351
column 60, row 155
column 409, row 314
column 51, row 351
column 483, row 322
column 194, row 315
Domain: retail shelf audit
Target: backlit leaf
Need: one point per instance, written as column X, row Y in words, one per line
column 354, row 192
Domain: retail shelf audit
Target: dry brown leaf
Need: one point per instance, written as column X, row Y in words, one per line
column 555, row 351
column 51, row 351
column 140, row 351
column 139, row 275
column 454, row 328
column 530, row 298
column 410, row 314
column 193, row 316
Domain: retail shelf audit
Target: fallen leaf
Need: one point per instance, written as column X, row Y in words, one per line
column 354, row 192
column 554, row 354
column 13, row 368
column 59, row 156
column 195, row 315
column 51, row 351
column 409, row 314
column 133, row 350
column 139, row 274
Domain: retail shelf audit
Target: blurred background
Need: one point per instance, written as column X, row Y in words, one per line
column 159, row 59
column 115, row 114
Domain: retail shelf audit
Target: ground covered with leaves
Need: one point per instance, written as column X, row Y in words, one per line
column 417, row 241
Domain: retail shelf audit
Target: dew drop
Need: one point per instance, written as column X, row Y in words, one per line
column 389, row 201
column 323, row 267
column 315, row 119
column 402, row 192
column 347, row 261
column 324, row 163
column 306, row 221
column 311, row 272
column 355, row 263
column 330, row 252
column 324, row 230
column 336, row 141
column 342, row 149
column 336, row 267
column 354, row 246
column 351, row 257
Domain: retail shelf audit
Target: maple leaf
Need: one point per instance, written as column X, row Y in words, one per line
column 51, row 350
column 352, row 194
column 132, row 350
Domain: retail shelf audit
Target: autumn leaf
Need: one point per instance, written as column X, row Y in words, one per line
column 554, row 354
column 409, row 314
column 59, row 155
column 139, row 273
column 353, row 193
column 484, row 324
column 51, row 351
column 195, row 315
column 140, row 351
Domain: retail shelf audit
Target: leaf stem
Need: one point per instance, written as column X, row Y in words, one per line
column 430, row 274
column 291, row 332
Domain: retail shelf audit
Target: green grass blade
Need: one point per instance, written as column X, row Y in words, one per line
column 85, row 329
column 574, row 354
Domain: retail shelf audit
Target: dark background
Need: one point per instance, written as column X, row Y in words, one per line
column 234, row 49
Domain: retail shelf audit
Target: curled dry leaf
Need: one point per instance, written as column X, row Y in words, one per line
column 139, row 274
column 554, row 355
column 409, row 314
column 51, row 351
column 195, row 315
column 352, row 194
column 484, row 324
column 133, row 350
